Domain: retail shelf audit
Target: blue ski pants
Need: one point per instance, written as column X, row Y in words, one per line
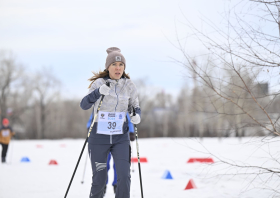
column 98, row 154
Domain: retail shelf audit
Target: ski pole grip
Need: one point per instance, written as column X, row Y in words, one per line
column 134, row 113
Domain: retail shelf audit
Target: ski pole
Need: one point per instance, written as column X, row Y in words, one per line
column 132, row 157
column 84, row 170
column 11, row 156
column 139, row 167
column 100, row 103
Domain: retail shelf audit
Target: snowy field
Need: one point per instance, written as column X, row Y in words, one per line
column 38, row 179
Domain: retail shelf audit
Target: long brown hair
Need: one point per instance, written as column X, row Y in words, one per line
column 103, row 74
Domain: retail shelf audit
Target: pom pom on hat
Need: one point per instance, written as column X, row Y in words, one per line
column 113, row 49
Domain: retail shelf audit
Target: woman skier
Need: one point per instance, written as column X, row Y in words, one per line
column 110, row 130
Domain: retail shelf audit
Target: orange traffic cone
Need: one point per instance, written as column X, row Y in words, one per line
column 190, row 185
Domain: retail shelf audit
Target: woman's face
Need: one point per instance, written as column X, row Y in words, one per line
column 116, row 70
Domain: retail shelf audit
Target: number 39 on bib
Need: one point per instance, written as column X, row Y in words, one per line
column 110, row 123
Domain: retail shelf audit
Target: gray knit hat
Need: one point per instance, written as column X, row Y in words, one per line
column 114, row 55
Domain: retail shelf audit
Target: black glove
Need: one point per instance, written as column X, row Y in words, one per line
column 132, row 136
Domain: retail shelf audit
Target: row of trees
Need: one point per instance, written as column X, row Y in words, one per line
column 199, row 112
column 32, row 102
column 36, row 109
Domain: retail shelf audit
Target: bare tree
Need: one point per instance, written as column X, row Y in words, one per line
column 47, row 88
column 232, row 69
column 15, row 90
column 273, row 13
column 10, row 72
column 241, row 60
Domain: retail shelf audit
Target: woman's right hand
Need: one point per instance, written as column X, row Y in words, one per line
column 104, row 89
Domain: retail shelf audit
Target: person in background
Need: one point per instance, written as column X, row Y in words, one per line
column 132, row 138
column 6, row 133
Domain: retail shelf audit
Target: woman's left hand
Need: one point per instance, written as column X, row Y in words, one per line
column 135, row 119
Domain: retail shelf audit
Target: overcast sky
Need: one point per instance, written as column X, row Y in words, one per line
column 72, row 37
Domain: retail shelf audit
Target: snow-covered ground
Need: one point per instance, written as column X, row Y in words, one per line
column 38, row 179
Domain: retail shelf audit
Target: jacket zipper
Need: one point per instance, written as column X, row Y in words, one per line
column 116, row 106
column 117, row 95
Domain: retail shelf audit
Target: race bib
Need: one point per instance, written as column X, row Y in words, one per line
column 110, row 123
column 5, row 133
